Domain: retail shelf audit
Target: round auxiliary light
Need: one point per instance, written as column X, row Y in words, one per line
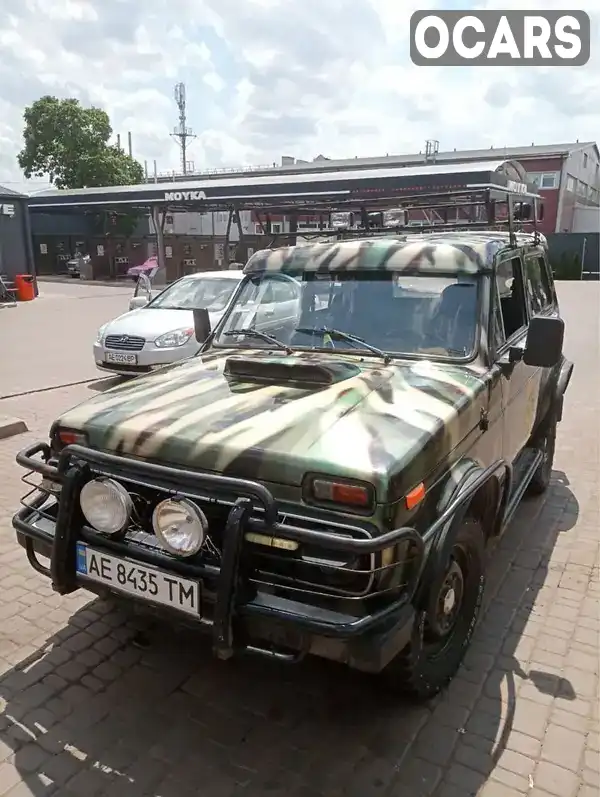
column 180, row 526
column 106, row 505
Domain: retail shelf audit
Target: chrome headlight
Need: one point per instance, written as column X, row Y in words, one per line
column 180, row 526
column 106, row 505
column 100, row 333
column 178, row 337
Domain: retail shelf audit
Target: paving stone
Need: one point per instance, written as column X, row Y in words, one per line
column 556, row 780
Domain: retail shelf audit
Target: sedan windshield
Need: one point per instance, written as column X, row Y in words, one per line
column 388, row 312
column 191, row 293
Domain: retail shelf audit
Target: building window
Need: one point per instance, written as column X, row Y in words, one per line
column 585, row 160
column 570, row 184
column 258, row 229
column 544, row 179
column 549, row 180
column 581, row 188
column 276, row 229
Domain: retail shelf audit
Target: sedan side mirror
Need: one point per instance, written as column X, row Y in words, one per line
column 137, row 302
column 544, row 345
column 201, row 324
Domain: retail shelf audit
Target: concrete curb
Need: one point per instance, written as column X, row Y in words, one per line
column 11, row 426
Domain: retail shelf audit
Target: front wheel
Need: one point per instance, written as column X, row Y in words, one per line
column 442, row 633
column 541, row 478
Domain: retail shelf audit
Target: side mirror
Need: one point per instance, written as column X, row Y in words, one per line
column 544, row 345
column 137, row 302
column 201, row 324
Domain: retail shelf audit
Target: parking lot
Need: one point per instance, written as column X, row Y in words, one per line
column 100, row 701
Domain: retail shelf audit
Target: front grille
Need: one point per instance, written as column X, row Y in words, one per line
column 124, row 342
column 308, row 569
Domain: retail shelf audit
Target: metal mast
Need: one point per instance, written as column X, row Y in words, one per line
column 181, row 132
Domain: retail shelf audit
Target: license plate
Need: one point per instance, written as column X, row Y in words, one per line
column 139, row 580
column 120, row 357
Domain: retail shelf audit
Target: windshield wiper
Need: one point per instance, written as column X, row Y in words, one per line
column 255, row 333
column 337, row 334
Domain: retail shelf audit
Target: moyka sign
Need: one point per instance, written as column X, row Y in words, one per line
column 184, row 196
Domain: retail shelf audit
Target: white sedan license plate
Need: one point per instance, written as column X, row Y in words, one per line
column 120, row 357
column 139, row 580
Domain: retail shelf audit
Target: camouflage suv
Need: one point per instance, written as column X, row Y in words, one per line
column 324, row 480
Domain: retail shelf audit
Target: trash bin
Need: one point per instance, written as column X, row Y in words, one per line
column 25, row 287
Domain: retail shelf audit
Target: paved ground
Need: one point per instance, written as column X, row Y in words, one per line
column 51, row 338
column 83, row 711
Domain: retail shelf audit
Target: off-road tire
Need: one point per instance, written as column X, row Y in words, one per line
column 419, row 672
column 541, row 478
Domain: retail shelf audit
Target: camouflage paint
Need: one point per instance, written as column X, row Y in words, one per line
column 389, row 425
column 430, row 253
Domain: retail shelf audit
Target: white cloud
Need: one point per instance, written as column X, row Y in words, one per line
column 267, row 78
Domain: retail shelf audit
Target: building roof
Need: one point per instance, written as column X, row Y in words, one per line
column 456, row 156
column 322, row 163
column 8, row 192
column 429, row 253
column 326, row 190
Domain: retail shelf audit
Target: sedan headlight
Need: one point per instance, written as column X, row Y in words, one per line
column 100, row 333
column 180, row 526
column 178, row 337
column 106, row 505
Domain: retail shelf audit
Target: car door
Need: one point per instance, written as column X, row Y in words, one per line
column 286, row 292
column 279, row 305
column 520, row 383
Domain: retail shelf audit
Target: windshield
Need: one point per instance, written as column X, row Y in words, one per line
column 398, row 314
column 191, row 293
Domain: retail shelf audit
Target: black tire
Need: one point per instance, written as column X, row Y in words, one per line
column 429, row 661
column 547, row 445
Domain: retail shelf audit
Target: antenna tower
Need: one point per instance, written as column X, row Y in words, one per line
column 181, row 132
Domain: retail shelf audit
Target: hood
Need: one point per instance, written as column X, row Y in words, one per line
column 150, row 323
column 332, row 415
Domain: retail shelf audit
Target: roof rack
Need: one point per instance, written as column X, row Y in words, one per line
column 479, row 207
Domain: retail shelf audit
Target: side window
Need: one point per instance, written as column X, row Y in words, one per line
column 498, row 334
column 509, row 290
column 537, row 285
column 283, row 291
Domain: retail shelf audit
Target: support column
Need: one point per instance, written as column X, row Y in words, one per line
column 158, row 216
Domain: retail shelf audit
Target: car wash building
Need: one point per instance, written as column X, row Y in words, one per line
column 413, row 190
column 16, row 253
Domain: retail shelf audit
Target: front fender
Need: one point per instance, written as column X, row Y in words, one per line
column 459, row 480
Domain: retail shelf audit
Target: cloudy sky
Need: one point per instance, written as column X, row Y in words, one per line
column 267, row 78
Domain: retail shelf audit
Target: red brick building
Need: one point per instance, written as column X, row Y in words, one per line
column 567, row 175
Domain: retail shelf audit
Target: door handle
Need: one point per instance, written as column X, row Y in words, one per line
column 269, row 313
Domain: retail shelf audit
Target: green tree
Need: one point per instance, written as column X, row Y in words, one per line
column 68, row 143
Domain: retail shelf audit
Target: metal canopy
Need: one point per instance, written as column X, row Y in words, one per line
column 299, row 193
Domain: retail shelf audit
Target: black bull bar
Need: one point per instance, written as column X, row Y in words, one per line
column 73, row 470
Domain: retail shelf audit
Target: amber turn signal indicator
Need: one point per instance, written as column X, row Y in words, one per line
column 415, row 496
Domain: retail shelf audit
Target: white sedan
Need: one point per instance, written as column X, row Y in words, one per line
column 162, row 331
